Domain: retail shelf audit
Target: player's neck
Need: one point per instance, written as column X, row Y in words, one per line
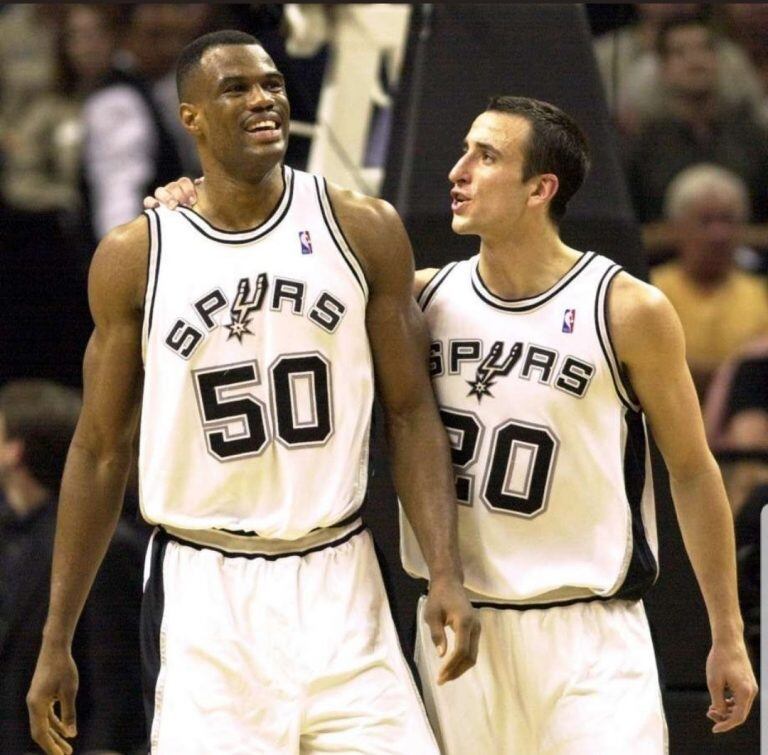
column 234, row 204
column 518, row 268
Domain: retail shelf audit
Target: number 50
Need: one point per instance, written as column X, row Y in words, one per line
column 236, row 423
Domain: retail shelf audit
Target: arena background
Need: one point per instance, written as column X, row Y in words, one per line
column 450, row 58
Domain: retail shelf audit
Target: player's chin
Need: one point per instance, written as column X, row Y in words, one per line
column 461, row 225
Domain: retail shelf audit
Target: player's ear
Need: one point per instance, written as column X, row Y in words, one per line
column 544, row 189
column 189, row 115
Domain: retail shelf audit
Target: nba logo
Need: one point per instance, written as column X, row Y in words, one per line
column 569, row 320
column 306, row 242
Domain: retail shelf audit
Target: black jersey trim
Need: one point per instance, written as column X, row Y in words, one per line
column 151, row 619
column 643, row 568
column 155, row 252
column 554, row 604
column 531, row 302
column 210, row 231
column 268, row 556
column 623, row 390
column 426, row 294
column 337, row 234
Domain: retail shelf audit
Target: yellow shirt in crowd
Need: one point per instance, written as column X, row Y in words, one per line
column 718, row 321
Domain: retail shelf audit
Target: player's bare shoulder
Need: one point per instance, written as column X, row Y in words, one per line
column 374, row 231
column 422, row 278
column 118, row 275
column 640, row 317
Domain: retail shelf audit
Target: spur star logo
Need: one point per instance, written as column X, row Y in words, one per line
column 492, row 367
column 246, row 302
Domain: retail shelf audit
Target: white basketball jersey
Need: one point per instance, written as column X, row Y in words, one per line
column 258, row 374
column 549, row 448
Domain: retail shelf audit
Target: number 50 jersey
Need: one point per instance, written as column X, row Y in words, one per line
column 549, row 448
column 258, row 375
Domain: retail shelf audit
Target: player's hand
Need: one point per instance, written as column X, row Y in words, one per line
column 179, row 192
column 732, row 685
column 448, row 606
column 55, row 680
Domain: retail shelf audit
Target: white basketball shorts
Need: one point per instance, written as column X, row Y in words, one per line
column 566, row 680
column 280, row 653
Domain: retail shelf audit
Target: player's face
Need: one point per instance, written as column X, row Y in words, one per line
column 488, row 194
column 242, row 110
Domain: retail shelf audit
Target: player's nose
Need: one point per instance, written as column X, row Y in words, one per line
column 259, row 98
column 459, row 173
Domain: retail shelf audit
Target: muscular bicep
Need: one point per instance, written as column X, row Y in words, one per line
column 399, row 343
column 112, row 367
column 651, row 345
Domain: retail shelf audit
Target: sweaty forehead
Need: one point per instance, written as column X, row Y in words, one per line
column 231, row 60
column 504, row 131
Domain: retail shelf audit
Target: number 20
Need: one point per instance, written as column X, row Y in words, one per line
column 520, row 464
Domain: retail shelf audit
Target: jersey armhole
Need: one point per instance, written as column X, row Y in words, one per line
column 429, row 290
column 620, row 380
column 153, row 273
column 334, row 229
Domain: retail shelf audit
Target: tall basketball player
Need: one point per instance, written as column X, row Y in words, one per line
column 550, row 367
column 248, row 332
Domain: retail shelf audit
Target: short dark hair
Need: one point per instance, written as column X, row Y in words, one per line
column 190, row 56
column 679, row 21
column 556, row 145
column 43, row 415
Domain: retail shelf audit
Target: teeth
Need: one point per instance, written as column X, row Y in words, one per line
column 263, row 126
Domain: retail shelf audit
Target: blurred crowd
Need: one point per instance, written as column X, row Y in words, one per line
column 88, row 125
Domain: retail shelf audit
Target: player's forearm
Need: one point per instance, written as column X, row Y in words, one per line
column 707, row 527
column 423, row 476
column 89, row 506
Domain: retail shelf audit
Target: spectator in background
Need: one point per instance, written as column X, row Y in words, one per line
column 42, row 146
column 748, row 25
column 721, row 308
column 736, row 421
column 697, row 125
column 27, row 55
column 630, row 68
column 45, row 252
column 37, row 421
column 129, row 145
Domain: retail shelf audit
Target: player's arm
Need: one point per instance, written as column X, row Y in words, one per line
column 418, row 443
column 95, row 473
column 650, row 344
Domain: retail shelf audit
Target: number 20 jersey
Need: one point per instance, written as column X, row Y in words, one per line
column 258, row 374
column 549, row 448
